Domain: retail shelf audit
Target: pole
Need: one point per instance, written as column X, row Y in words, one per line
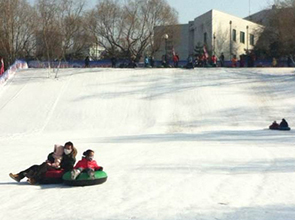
column 230, row 40
column 247, row 38
column 166, row 50
column 249, row 8
column 214, row 38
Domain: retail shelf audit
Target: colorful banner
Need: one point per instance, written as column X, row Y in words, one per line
column 18, row 64
column 67, row 64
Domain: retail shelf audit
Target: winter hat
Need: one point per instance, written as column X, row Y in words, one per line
column 87, row 153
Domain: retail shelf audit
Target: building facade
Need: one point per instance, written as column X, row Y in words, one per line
column 218, row 31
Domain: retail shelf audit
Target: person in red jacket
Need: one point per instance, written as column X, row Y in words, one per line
column 1, row 66
column 214, row 61
column 87, row 164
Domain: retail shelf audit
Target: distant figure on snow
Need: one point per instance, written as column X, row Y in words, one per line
column 114, row 62
column 175, row 60
column 274, row 126
column 284, row 124
column 152, row 61
column 222, row 60
column 87, row 61
column 214, row 61
column 274, row 62
column 146, row 62
column 190, row 62
column 290, row 61
column 1, row 66
column 234, row 61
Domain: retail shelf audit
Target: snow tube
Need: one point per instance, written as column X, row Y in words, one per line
column 284, row 128
column 274, row 127
column 271, row 128
column 84, row 180
column 53, row 177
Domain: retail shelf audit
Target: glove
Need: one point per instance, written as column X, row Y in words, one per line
column 100, row 169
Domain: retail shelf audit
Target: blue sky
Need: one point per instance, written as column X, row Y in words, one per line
column 190, row 9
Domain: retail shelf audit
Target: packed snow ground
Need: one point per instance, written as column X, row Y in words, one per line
column 176, row 144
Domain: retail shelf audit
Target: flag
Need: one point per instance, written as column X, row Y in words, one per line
column 205, row 52
column 173, row 51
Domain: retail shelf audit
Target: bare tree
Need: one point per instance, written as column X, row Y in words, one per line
column 71, row 26
column 128, row 27
column 278, row 36
column 17, row 22
column 48, row 34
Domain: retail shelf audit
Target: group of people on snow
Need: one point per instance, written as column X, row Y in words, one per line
column 199, row 60
column 62, row 158
column 282, row 126
column 290, row 61
column 203, row 60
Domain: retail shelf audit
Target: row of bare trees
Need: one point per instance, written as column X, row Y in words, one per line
column 66, row 29
column 278, row 35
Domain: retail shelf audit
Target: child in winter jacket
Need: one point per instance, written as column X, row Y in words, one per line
column 57, row 156
column 87, row 164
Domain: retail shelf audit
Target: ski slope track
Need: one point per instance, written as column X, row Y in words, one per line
column 176, row 144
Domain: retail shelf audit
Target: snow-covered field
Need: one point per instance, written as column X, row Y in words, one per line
column 176, row 144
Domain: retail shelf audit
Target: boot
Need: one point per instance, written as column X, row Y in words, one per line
column 32, row 181
column 75, row 173
column 91, row 174
column 15, row 177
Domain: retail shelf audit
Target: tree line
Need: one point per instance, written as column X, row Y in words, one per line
column 278, row 35
column 64, row 29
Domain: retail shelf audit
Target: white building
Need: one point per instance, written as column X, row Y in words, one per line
column 95, row 51
column 220, row 32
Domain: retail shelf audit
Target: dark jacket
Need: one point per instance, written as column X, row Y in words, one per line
column 284, row 124
column 67, row 162
column 274, row 126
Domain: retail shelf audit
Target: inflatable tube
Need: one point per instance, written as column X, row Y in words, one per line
column 271, row 128
column 53, row 177
column 84, row 180
column 284, row 128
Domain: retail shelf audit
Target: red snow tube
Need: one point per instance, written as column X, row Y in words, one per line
column 53, row 177
column 54, row 173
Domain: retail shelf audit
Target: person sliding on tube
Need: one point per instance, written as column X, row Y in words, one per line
column 274, row 126
column 284, row 124
column 87, row 164
column 63, row 157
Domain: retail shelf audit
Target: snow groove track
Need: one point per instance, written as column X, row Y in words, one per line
column 62, row 91
column 176, row 144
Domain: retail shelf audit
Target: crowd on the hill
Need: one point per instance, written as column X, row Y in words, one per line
column 199, row 60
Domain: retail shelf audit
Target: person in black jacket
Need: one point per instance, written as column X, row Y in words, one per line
column 284, row 124
column 222, row 60
column 87, row 61
column 36, row 173
column 114, row 62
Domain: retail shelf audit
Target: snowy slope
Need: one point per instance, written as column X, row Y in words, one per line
column 176, row 144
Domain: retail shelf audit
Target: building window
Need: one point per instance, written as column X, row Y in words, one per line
column 234, row 35
column 205, row 38
column 252, row 39
column 242, row 37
